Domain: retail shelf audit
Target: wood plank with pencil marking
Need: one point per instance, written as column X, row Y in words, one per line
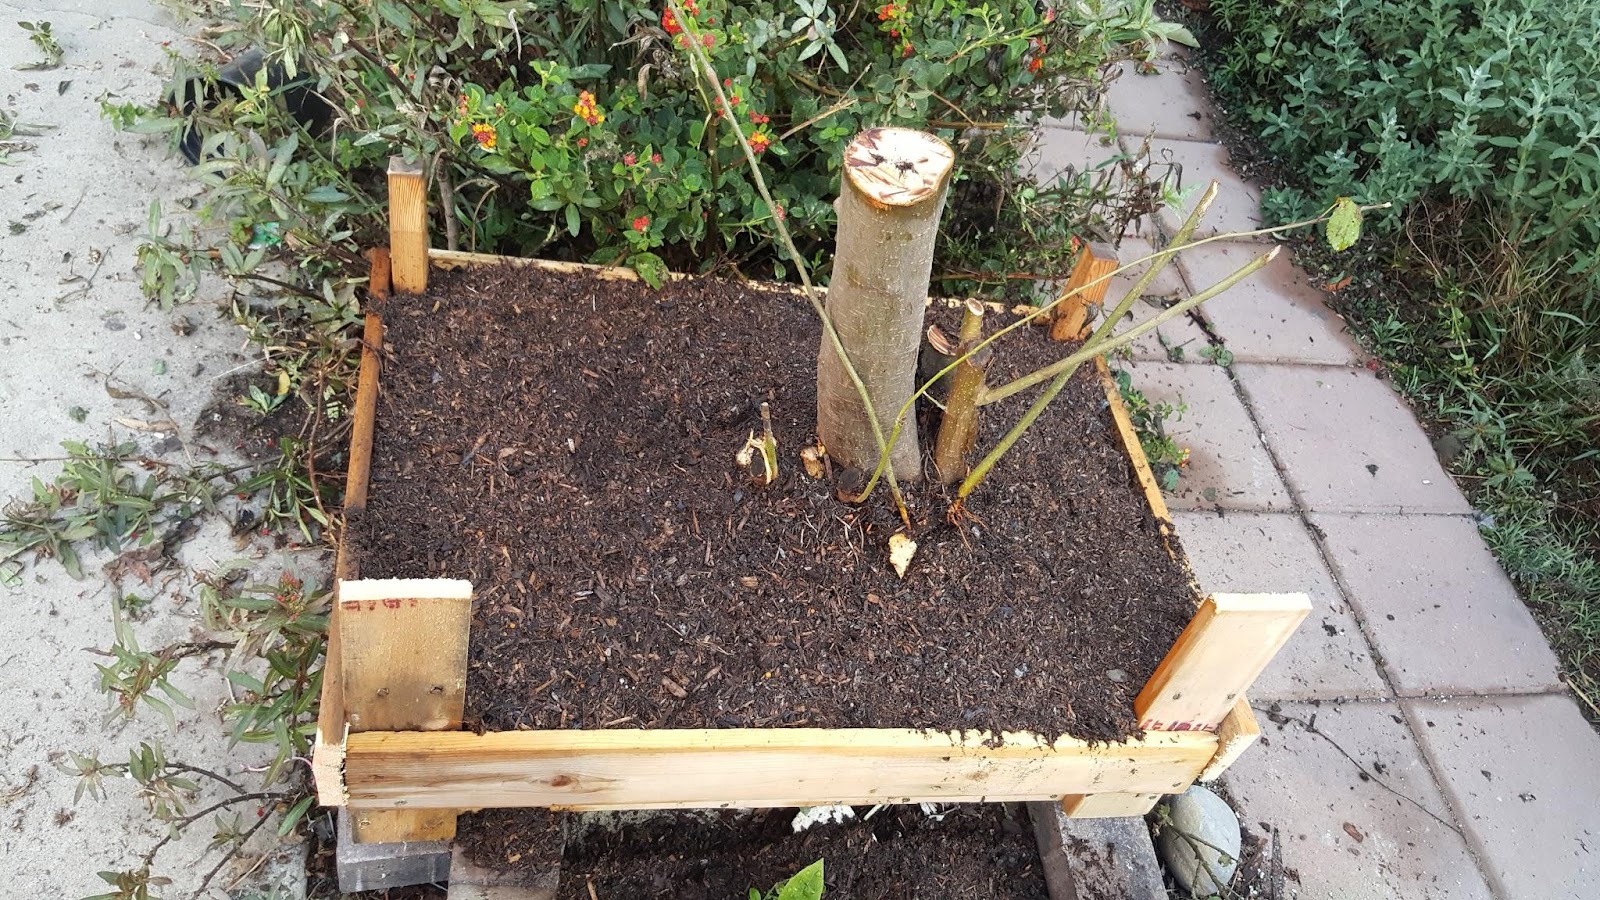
column 1217, row 657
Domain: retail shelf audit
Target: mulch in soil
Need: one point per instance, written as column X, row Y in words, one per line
column 976, row 851
column 566, row 443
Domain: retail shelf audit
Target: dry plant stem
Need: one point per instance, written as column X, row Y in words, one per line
column 1064, row 369
column 958, row 430
column 710, row 75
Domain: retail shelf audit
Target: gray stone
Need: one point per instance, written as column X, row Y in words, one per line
column 1200, row 843
column 371, row 867
column 1095, row 859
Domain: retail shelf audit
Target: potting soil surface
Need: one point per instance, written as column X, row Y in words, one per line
column 567, row 444
column 983, row 851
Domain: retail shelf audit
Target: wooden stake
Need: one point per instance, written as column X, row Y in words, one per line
column 889, row 206
column 1072, row 314
column 408, row 226
column 1216, row 659
column 403, row 646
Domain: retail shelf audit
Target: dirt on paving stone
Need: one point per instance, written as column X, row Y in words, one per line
column 567, row 443
column 900, row 853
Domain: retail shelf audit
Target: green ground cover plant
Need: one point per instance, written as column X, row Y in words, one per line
column 1480, row 290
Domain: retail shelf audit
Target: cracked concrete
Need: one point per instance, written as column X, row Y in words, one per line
column 73, row 209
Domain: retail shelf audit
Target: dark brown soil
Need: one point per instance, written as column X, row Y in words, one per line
column 511, row 840
column 984, row 851
column 567, row 444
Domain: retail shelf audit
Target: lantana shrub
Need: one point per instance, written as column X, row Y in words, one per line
column 578, row 129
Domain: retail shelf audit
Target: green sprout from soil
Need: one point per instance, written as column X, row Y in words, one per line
column 806, row 884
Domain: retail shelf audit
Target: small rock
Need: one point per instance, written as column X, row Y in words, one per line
column 1201, row 839
column 1117, row 675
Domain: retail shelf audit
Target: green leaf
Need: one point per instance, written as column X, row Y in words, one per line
column 1344, row 226
column 294, row 815
column 805, row 885
column 573, row 222
column 652, row 268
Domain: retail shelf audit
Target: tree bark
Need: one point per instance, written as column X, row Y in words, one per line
column 890, row 200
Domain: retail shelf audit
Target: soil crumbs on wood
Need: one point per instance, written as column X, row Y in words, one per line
column 566, row 443
column 983, row 851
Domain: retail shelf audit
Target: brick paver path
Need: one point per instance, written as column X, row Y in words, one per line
column 1418, row 743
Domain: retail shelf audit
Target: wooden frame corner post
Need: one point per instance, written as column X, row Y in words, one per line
column 403, row 647
column 1088, row 284
column 408, row 226
column 1200, row 685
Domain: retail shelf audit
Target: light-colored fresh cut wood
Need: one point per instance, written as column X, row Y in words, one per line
column 1088, row 285
column 889, row 206
column 404, row 667
column 1217, row 657
column 654, row 769
column 1109, row 806
column 1237, row 733
column 408, row 226
column 1135, row 450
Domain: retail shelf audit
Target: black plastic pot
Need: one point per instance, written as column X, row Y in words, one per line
column 298, row 95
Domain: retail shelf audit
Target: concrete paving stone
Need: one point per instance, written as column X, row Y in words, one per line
column 1228, row 464
column 1067, row 151
column 1168, row 100
column 1521, row 773
column 1380, row 830
column 1237, row 207
column 1274, row 553
column 1346, row 441
column 1273, row 316
column 1441, row 614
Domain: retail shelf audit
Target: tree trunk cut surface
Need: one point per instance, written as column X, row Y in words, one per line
column 899, row 854
column 567, row 444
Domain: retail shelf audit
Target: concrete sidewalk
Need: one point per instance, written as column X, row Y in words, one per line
column 1418, row 743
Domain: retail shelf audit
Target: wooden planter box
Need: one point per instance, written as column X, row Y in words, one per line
column 389, row 744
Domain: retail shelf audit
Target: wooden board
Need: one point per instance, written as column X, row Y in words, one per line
column 1237, row 733
column 1135, row 450
column 1109, row 806
column 659, row 769
column 1216, row 659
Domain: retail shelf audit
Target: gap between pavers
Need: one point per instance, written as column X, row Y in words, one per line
column 1328, row 657
column 1438, row 609
column 1346, row 442
column 1522, row 775
column 1373, row 828
column 1275, row 315
column 1229, row 466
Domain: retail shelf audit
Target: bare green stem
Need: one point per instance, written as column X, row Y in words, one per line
column 1062, row 371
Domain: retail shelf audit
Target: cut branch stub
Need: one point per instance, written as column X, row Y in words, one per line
column 889, row 206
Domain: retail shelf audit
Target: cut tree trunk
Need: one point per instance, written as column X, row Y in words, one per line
column 890, row 201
